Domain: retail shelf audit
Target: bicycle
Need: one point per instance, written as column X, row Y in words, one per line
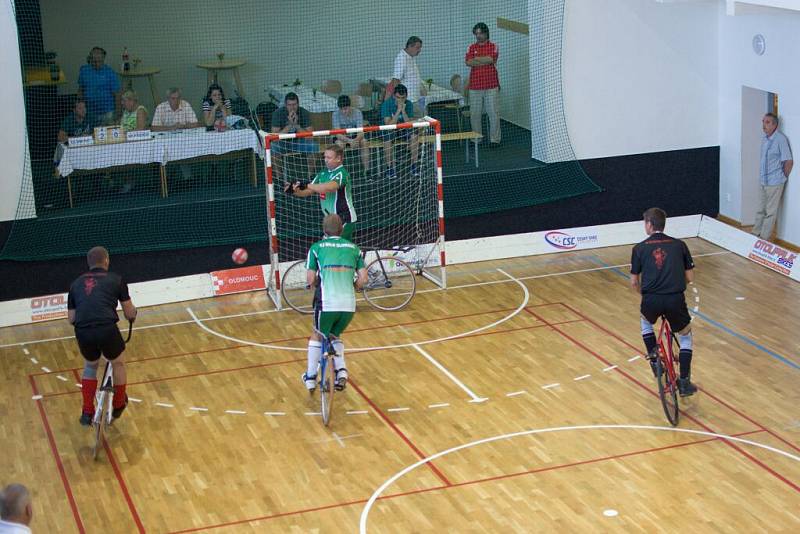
column 391, row 283
column 326, row 376
column 666, row 375
column 103, row 412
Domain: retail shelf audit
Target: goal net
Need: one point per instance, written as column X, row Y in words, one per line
column 396, row 176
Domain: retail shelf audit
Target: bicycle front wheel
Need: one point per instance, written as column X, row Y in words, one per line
column 99, row 422
column 295, row 290
column 391, row 283
column 326, row 388
column 667, row 392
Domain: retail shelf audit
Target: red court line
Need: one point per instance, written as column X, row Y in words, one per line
column 705, row 391
column 400, row 433
column 647, row 389
column 271, row 364
column 462, row 484
column 123, row 487
column 57, row 457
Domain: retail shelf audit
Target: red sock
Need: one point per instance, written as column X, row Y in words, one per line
column 120, row 398
column 88, row 389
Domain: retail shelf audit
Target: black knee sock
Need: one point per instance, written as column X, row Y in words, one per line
column 686, row 362
column 649, row 341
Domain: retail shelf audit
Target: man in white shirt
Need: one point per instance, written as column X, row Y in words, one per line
column 174, row 113
column 406, row 73
column 16, row 511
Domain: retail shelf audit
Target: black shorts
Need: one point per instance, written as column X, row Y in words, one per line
column 672, row 306
column 105, row 340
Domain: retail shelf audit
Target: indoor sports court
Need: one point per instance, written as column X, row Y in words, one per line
column 524, row 379
column 218, row 173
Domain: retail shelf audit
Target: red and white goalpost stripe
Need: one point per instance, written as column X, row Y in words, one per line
column 270, row 138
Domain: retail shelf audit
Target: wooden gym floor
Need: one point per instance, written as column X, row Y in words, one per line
column 220, row 439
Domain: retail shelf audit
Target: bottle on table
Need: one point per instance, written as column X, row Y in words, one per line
column 126, row 60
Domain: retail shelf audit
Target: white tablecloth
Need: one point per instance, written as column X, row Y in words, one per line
column 162, row 149
column 436, row 93
column 322, row 103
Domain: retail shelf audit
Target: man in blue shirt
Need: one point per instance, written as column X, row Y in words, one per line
column 774, row 168
column 397, row 110
column 99, row 85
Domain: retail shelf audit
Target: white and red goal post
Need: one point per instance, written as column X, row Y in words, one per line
column 398, row 213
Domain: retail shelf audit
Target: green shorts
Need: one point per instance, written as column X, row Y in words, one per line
column 332, row 322
column 347, row 231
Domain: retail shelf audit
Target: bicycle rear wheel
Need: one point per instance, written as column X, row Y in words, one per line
column 295, row 290
column 391, row 283
column 667, row 392
column 326, row 387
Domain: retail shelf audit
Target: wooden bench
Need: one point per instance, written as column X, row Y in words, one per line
column 467, row 137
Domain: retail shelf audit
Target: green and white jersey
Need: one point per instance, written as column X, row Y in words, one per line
column 336, row 260
column 340, row 201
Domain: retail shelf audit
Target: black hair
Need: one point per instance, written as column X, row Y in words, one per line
column 412, row 41
column 482, row 27
column 291, row 95
column 400, row 89
column 215, row 87
column 343, row 101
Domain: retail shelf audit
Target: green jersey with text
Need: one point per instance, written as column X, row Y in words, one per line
column 336, row 260
column 340, row 201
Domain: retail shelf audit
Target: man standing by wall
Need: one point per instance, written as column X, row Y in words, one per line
column 484, row 84
column 406, row 72
column 775, row 165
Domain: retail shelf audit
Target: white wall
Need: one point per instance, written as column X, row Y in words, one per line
column 13, row 148
column 776, row 71
column 754, row 106
column 639, row 76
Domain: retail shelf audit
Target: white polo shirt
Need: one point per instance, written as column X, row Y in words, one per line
column 405, row 70
column 7, row 527
column 166, row 116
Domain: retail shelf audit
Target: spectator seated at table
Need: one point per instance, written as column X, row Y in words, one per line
column 174, row 113
column 349, row 117
column 77, row 123
column 291, row 118
column 99, row 85
column 397, row 110
column 134, row 115
column 216, row 107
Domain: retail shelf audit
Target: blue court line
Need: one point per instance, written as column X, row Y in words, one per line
column 721, row 326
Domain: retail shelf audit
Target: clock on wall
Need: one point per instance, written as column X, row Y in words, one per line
column 759, row 44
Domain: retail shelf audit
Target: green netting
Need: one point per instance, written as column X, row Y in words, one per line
column 194, row 187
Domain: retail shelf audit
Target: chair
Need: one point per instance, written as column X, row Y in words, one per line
column 264, row 115
column 461, row 110
column 367, row 94
column 359, row 102
column 332, row 87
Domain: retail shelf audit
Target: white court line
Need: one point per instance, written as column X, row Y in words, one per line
column 398, row 409
column 582, row 377
column 515, row 393
column 317, row 414
column 449, row 375
column 235, row 412
column 274, row 413
column 440, row 405
column 611, row 368
column 46, row 370
column 62, row 378
column 634, row 358
column 198, row 409
column 133, row 399
column 165, row 405
column 37, row 397
column 34, row 361
column 363, row 349
column 551, row 386
column 78, row 385
column 26, row 351
column 261, row 312
column 739, row 298
column 357, row 412
column 377, row 493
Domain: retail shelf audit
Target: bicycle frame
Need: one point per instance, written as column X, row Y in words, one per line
column 103, row 411
column 668, row 357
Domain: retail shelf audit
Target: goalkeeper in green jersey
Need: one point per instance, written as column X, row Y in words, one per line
column 332, row 263
column 334, row 187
